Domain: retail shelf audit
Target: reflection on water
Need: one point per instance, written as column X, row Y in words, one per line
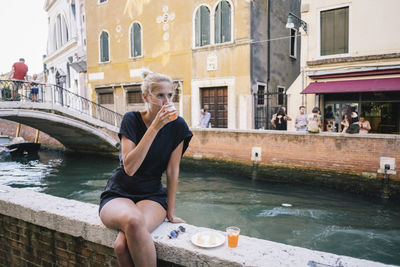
column 318, row 218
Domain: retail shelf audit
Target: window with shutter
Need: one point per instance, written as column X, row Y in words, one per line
column 202, row 26
column 335, row 31
column 134, row 95
column 106, row 98
column 136, row 40
column 104, row 52
column 222, row 22
column 293, row 43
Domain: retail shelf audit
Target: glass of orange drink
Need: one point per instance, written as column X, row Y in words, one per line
column 232, row 233
column 171, row 109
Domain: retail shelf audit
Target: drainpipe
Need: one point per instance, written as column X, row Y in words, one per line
column 268, row 59
column 251, row 67
column 269, row 43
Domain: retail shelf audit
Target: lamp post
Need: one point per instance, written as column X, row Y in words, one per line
column 290, row 24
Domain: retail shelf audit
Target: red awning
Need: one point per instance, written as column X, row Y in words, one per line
column 353, row 86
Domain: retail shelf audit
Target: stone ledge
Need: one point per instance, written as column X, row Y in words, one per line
column 337, row 60
column 299, row 133
column 81, row 219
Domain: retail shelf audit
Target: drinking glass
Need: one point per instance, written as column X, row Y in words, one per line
column 170, row 110
column 232, row 232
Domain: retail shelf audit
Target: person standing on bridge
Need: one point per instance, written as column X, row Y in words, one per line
column 134, row 201
column 19, row 72
column 34, row 88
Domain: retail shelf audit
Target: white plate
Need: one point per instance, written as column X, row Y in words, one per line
column 204, row 239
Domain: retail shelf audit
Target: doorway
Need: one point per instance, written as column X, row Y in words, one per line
column 215, row 101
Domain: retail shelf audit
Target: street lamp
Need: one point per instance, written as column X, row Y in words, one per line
column 290, row 24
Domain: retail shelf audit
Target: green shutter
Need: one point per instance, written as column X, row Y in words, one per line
column 335, row 31
column 225, row 22
column 132, row 38
column 205, row 26
column 197, row 28
column 217, row 23
column 137, row 39
column 104, row 53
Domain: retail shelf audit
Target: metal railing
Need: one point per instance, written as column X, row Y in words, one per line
column 16, row 90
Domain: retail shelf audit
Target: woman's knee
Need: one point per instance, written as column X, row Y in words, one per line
column 134, row 222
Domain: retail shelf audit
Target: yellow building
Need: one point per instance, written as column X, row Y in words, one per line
column 350, row 55
column 205, row 46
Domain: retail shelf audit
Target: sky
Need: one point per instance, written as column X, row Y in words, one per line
column 23, row 28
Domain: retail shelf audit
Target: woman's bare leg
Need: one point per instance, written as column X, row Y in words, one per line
column 123, row 214
column 122, row 252
column 152, row 219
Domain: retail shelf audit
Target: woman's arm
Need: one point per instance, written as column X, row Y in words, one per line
column 367, row 126
column 172, row 182
column 133, row 155
column 345, row 122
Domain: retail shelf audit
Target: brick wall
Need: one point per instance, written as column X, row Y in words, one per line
column 27, row 244
column 342, row 153
column 28, row 133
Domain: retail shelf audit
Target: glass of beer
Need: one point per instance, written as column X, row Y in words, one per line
column 232, row 233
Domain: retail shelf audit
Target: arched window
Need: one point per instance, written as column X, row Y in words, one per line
column 202, row 26
column 65, row 35
column 223, row 25
column 58, row 32
column 55, row 45
column 73, row 8
column 136, row 40
column 61, row 31
column 104, row 50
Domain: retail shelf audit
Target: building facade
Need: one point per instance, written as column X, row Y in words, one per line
column 66, row 46
column 350, row 56
column 216, row 51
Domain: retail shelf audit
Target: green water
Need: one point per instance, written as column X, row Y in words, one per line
column 319, row 219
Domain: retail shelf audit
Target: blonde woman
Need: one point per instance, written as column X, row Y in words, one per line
column 134, row 201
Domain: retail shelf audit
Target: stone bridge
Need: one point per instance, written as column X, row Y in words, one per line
column 76, row 130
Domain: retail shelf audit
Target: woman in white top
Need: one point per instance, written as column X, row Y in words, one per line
column 364, row 125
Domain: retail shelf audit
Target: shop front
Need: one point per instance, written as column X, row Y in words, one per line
column 377, row 100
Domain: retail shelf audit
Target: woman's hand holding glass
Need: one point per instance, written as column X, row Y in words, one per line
column 170, row 108
column 166, row 114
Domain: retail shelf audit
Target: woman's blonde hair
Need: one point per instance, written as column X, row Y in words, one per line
column 150, row 78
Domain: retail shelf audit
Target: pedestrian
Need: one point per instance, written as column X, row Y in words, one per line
column 350, row 121
column 300, row 123
column 134, row 201
column 365, row 126
column 204, row 118
column 314, row 121
column 280, row 122
column 19, row 73
column 34, row 88
column 287, row 118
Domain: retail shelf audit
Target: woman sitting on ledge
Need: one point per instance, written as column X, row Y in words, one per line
column 134, row 201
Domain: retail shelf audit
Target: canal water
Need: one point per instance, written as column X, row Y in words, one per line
column 309, row 217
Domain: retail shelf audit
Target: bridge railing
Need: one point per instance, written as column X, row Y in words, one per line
column 16, row 90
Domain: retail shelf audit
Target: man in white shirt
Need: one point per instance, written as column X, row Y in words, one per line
column 204, row 119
